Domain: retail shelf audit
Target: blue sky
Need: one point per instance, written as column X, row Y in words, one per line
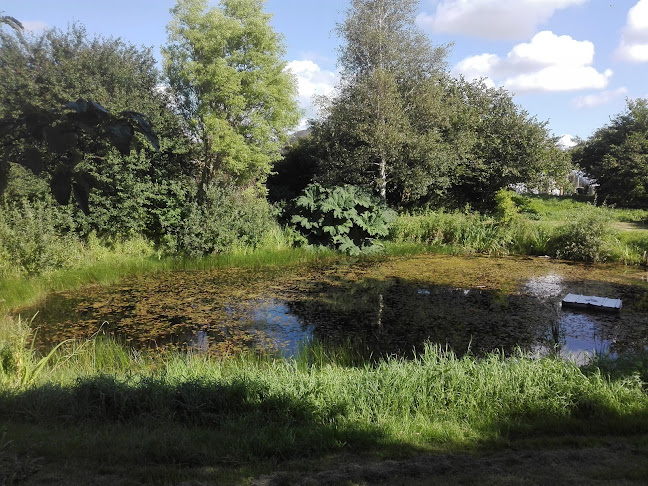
column 569, row 62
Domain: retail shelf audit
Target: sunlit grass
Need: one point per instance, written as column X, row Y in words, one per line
column 541, row 228
column 321, row 401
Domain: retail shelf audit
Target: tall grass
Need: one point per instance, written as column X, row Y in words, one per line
column 318, row 402
column 566, row 229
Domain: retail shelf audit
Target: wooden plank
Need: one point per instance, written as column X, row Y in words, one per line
column 592, row 302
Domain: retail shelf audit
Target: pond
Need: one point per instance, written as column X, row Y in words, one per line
column 389, row 307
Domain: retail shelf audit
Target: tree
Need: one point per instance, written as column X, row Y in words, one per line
column 229, row 84
column 76, row 146
column 616, row 156
column 509, row 147
column 369, row 128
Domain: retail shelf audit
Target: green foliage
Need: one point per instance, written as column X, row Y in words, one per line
column 465, row 231
column 586, row 237
column 285, row 408
column 432, row 140
column 228, row 81
column 343, row 217
column 505, row 208
column 509, row 147
column 228, row 219
column 136, row 194
column 616, row 156
column 53, row 136
column 385, row 130
column 36, row 237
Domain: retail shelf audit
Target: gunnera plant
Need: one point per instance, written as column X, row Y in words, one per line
column 343, row 217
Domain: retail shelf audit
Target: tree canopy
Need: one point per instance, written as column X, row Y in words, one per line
column 401, row 126
column 229, row 84
column 616, row 156
column 70, row 105
column 386, row 64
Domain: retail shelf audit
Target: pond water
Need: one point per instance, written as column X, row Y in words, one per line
column 388, row 307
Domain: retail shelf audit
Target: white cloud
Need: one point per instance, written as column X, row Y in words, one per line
column 35, row 26
column 598, row 99
column 634, row 40
column 311, row 81
column 547, row 63
column 567, row 141
column 493, row 19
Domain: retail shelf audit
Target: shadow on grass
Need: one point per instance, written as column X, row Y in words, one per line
column 156, row 429
column 191, row 422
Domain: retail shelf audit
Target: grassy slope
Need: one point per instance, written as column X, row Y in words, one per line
column 104, row 411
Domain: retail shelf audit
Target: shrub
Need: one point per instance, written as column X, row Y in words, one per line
column 586, row 238
column 37, row 237
column 506, row 210
column 343, row 217
column 228, row 219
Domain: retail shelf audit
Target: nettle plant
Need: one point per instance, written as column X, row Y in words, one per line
column 343, row 217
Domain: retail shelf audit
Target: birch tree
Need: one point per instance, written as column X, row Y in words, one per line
column 386, row 61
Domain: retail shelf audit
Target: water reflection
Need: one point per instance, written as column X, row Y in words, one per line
column 579, row 334
column 468, row 305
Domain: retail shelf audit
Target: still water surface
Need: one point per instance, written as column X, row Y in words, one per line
column 392, row 307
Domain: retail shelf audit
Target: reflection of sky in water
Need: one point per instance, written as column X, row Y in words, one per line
column 546, row 286
column 269, row 320
column 581, row 337
column 579, row 334
column 286, row 330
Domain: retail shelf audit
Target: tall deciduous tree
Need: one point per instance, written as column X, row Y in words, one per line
column 616, row 155
column 509, row 147
column 370, row 133
column 226, row 73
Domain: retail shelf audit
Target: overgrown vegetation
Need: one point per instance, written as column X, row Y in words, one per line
column 616, row 156
column 87, row 201
column 558, row 227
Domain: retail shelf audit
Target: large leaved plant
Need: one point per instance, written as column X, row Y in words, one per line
column 342, row 217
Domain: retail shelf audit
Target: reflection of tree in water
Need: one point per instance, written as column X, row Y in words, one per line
column 396, row 317
column 227, row 311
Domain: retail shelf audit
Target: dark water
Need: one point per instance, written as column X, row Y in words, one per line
column 474, row 305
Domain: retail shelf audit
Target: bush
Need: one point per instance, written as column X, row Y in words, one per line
column 37, row 237
column 342, row 217
column 506, row 209
column 586, row 238
column 228, row 219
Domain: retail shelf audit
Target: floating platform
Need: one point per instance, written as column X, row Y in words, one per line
column 592, row 302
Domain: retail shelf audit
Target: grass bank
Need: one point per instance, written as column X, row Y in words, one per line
column 21, row 291
column 561, row 227
column 100, row 408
